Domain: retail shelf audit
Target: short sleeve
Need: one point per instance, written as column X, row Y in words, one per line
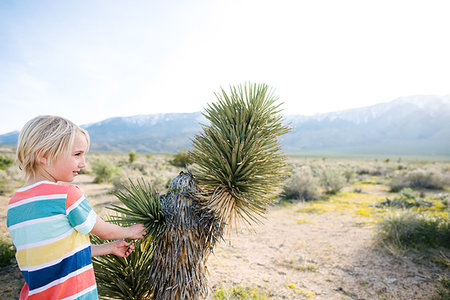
column 79, row 212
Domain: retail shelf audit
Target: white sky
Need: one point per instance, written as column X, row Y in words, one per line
column 92, row 60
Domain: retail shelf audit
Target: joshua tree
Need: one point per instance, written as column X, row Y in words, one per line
column 237, row 169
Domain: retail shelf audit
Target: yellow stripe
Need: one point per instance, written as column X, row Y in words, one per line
column 47, row 253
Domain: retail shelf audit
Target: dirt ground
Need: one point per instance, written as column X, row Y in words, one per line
column 292, row 255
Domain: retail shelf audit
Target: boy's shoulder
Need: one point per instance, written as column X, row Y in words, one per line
column 46, row 191
column 68, row 187
column 46, row 188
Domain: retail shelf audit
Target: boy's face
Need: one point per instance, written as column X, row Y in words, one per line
column 69, row 163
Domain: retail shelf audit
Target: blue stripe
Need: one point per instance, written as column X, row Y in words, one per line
column 41, row 277
column 35, row 210
column 92, row 295
column 79, row 214
column 40, row 232
column 90, row 223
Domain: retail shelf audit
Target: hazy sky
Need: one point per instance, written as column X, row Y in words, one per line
column 91, row 60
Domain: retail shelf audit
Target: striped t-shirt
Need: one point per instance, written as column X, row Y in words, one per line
column 49, row 225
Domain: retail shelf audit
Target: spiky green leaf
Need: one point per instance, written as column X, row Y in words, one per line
column 237, row 156
column 140, row 205
column 124, row 278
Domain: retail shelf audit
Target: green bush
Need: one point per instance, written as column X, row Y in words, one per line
column 370, row 170
column 302, row 185
column 406, row 228
column 332, row 179
column 443, row 291
column 104, row 170
column 425, row 179
column 5, row 162
column 239, row 292
column 131, row 156
column 4, row 182
column 349, row 174
column 7, row 253
column 407, row 199
column 180, row 159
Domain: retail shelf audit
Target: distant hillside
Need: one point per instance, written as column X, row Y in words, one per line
column 145, row 133
column 418, row 125
column 9, row 138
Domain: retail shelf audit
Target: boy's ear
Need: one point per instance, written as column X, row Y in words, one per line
column 41, row 158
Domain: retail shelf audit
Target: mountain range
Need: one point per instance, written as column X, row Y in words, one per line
column 416, row 125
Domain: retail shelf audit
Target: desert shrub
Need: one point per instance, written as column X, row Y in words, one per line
column 160, row 181
column 445, row 200
column 239, row 292
column 7, row 253
column 349, row 174
column 332, row 179
column 3, row 182
column 10, row 179
column 443, row 291
column 301, row 185
column 406, row 228
column 131, row 156
column 155, row 170
column 104, row 170
column 5, row 162
column 407, row 199
column 141, row 167
column 121, row 181
column 14, row 173
column 427, row 179
column 180, row 159
column 370, row 170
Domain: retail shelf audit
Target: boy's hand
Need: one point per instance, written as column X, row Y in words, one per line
column 136, row 231
column 121, row 248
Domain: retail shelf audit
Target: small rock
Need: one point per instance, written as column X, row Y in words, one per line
column 392, row 281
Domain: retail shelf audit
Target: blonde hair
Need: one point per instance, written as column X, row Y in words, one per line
column 47, row 136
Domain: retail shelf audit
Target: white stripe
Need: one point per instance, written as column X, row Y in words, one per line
column 37, row 198
column 36, row 221
column 45, row 242
column 74, row 205
column 60, row 280
column 24, row 188
column 88, row 219
column 56, row 261
column 89, row 289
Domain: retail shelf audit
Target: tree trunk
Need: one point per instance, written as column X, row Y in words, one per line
column 178, row 267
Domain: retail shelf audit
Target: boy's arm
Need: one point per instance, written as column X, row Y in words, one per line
column 119, row 248
column 108, row 231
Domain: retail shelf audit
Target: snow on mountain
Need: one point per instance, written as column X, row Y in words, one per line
column 429, row 105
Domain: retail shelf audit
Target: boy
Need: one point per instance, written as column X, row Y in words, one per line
column 49, row 222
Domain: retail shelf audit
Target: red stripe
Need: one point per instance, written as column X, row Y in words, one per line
column 73, row 195
column 24, row 292
column 40, row 190
column 67, row 288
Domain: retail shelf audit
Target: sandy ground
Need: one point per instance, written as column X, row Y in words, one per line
column 330, row 257
column 293, row 255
